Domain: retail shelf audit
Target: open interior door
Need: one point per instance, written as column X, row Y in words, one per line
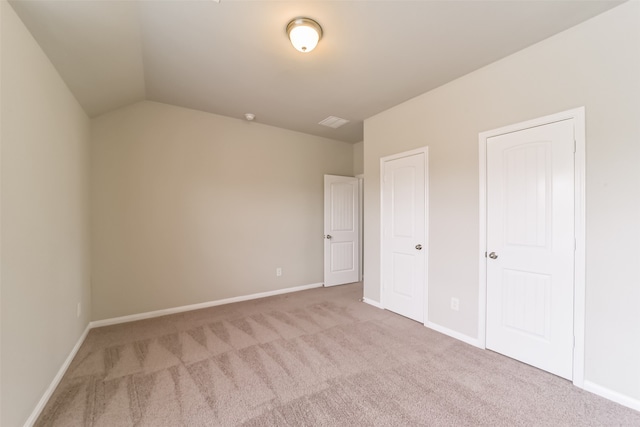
column 341, row 230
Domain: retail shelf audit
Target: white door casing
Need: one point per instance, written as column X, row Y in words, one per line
column 532, row 263
column 361, row 224
column 341, row 230
column 404, row 243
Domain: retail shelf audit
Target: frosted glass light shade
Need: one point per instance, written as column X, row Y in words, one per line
column 304, row 34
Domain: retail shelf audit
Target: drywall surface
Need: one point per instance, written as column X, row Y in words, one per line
column 596, row 65
column 358, row 158
column 45, row 232
column 189, row 207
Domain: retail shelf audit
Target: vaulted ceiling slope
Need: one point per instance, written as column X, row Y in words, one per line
column 234, row 57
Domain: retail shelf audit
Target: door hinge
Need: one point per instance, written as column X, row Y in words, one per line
column 575, row 144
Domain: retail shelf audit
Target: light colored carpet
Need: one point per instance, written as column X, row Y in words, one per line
column 311, row 358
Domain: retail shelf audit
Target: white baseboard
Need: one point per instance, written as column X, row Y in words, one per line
column 453, row 334
column 372, row 302
column 95, row 324
column 588, row 385
column 56, row 380
column 181, row 309
column 614, row 396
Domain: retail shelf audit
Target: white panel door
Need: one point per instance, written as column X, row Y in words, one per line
column 404, row 243
column 341, row 230
column 530, row 244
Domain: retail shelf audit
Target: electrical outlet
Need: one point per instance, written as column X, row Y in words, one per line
column 78, row 309
column 278, row 272
column 455, row 304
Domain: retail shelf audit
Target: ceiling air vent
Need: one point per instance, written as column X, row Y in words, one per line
column 333, row 122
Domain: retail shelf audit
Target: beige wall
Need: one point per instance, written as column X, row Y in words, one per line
column 358, row 158
column 596, row 65
column 2, row 7
column 45, row 264
column 189, row 207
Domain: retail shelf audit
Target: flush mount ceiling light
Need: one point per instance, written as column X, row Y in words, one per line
column 304, row 33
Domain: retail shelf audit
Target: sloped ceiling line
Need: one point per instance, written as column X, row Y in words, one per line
column 233, row 57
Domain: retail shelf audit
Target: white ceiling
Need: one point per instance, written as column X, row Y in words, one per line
column 234, row 57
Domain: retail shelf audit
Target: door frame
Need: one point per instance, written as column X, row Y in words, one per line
column 361, row 219
column 578, row 117
column 422, row 150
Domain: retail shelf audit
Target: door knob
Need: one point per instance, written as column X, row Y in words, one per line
column 493, row 255
column 328, row 236
column 419, row 247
